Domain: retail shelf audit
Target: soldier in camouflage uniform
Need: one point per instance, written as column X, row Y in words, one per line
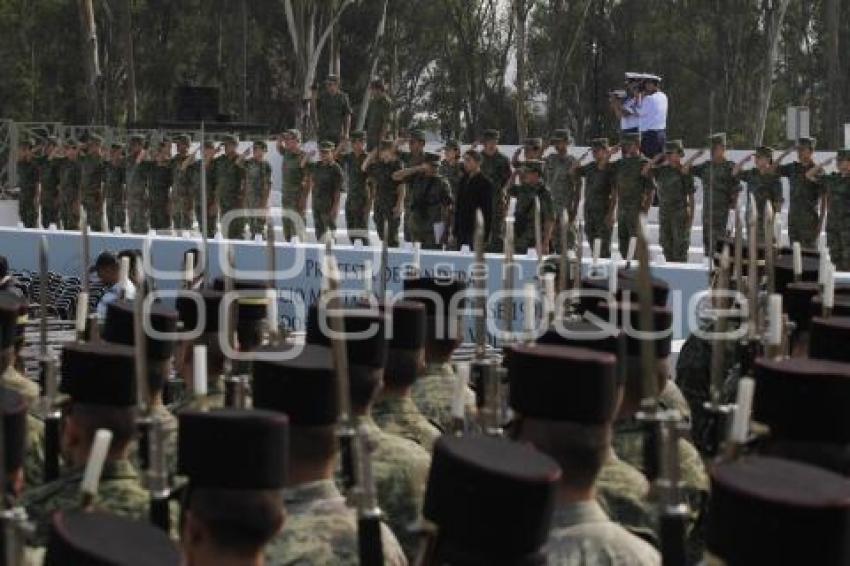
column 102, row 389
column 69, row 186
column 413, row 157
column 159, row 189
column 808, row 205
column 720, row 191
column 451, row 167
column 634, row 189
column 378, row 114
column 137, row 176
column 531, row 149
column 49, row 163
column 532, row 187
column 208, row 163
column 762, row 180
column 229, row 185
column 583, row 431
column 837, row 188
column 258, row 184
column 600, row 198
column 676, row 201
column 114, row 188
column 325, row 182
column 91, row 181
column 566, row 193
column 27, row 182
column 496, row 167
column 394, row 411
column 183, row 183
column 333, row 111
column 293, row 199
column 320, row 527
column 359, row 193
column 428, row 208
column 380, row 166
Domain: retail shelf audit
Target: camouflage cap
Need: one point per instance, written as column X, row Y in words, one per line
column 327, row 146
column 117, row 145
column 533, row 166
column 182, row 138
column 358, row 135
column 417, row 135
column 94, row 138
column 536, row 143
column 387, row 144
column 332, row 79
column 764, row 151
column 137, row 138
column 452, row 144
column 71, row 142
column 260, row 144
column 209, row 144
column 560, row 135
column 807, row 142
column 717, row 139
column 599, row 143
column 229, row 138
column 52, row 140
column 674, row 146
column 490, row 135
column 842, row 155
column 292, row 133
column 630, row 138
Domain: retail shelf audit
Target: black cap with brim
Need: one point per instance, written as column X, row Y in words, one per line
column 803, row 399
column 582, row 333
column 562, row 383
column 476, row 482
column 766, row 510
column 118, row 327
column 99, row 374
column 233, row 448
column 368, row 349
column 304, row 387
column 94, row 538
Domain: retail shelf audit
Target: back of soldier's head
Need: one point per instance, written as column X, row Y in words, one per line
column 444, row 328
column 406, row 354
column 199, row 311
column 236, row 463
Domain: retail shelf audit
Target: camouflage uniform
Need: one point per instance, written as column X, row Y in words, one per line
column 719, row 194
column 69, row 193
column 837, row 230
column 378, row 117
column 91, row 182
column 524, row 237
column 34, row 455
column 212, row 201
column 321, row 529
column 628, row 444
column 674, row 187
column 357, row 199
column 400, row 416
column 332, row 110
column 413, row 184
column 26, row 388
column 258, row 177
column 598, row 189
column 138, row 204
column 119, row 492
column 184, row 183
column 49, row 200
column 623, row 492
column 400, row 467
column 27, row 199
column 583, row 535
column 803, row 212
column 386, row 196
column 430, row 197
column 229, row 190
column 293, row 178
column 433, row 392
column 452, row 173
column 764, row 187
column 116, row 194
column 632, row 188
column 497, row 168
column 159, row 194
column 327, row 185
column 559, row 179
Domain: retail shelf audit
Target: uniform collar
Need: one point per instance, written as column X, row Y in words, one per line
column 582, row 512
column 311, row 491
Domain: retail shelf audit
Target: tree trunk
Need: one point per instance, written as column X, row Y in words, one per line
column 90, row 59
column 774, row 16
column 520, row 12
column 832, row 127
column 373, row 70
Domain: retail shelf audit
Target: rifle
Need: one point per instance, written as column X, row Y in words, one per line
column 271, row 265
column 235, row 386
column 738, row 266
column 83, row 298
column 674, row 509
column 346, row 431
column 740, row 430
column 774, row 336
column 458, row 408
column 508, row 267
column 651, row 414
column 563, row 262
column 797, row 261
column 828, row 301
column 751, row 346
column 204, row 205
column 370, row 546
column 769, row 247
column 538, row 232
column 47, row 377
column 385, row 260
column 94, row 467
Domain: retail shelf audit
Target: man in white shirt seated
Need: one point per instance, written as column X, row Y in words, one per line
column 116, row 285
column 653, row 117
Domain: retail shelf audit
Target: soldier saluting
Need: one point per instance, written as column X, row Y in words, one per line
column 528, row 193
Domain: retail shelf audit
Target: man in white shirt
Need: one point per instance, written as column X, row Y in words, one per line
column 653, row 117
column 626, row 107
column 108, row 270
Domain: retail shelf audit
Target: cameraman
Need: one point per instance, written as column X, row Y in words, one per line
column 625, row 103
column 652, row 113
